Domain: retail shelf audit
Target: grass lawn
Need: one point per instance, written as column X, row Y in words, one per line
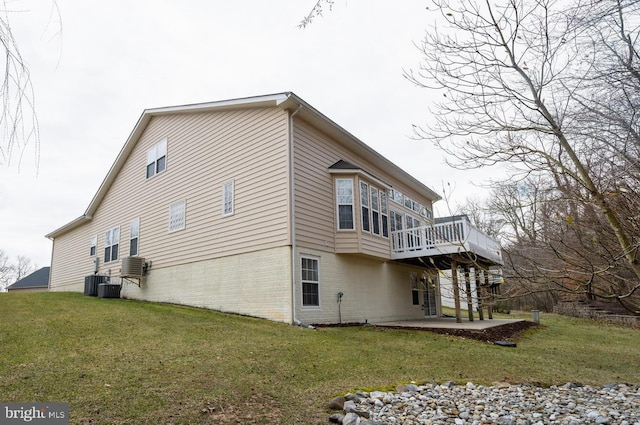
column 128, row 362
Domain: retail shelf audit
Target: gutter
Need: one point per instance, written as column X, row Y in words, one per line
column 293, row 215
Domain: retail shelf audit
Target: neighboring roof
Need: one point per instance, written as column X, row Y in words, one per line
column 286, row 101
column 452, row 219
column 37, row 279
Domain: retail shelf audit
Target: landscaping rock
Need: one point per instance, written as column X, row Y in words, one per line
column 504, row 404
column 336, row 403
column 351, row 419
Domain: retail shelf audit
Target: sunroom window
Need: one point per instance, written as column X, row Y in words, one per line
column 344, row 198
column 364, row 202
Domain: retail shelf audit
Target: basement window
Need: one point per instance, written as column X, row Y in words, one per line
column 415, row 289
column 310, row 276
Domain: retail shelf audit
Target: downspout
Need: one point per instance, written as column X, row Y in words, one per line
column 293, row 216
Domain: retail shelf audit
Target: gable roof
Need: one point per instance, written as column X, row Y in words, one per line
column 37, row 279
column 286, row 101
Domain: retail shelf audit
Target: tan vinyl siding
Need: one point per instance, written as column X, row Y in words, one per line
column 374, row 245
column 204, row 151
column 315, row 190
column 71, row 260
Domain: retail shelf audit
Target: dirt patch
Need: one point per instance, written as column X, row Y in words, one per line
column 508, row 332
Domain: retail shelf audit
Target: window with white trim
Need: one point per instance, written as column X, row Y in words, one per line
column 426, row 212
column 344, row 200
column 395, row 196
column 415, row 289
column 111, row 244
column 227, row 198
column 414, row 238
column 310, row 278
column 384, row 216
column 375, row 211
column 134, row 236
column 177, row 216
column 157, row 158
column 396, row 221
column 364, row 204
column 93, row 244
column 411, row 204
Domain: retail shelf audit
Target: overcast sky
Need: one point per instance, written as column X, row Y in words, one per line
column 115, row 58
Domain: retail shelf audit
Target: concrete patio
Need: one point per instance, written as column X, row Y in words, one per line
column 447, row 323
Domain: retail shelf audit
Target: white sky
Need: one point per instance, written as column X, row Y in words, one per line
column 115, row 58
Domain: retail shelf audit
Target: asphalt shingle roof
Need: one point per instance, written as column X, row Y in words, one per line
column 37, row 279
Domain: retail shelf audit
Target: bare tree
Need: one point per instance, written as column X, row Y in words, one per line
column 23, row 267
column 517, row 81
column 6, row 271
column 18, row 119
column 317, row 11
column 11, row 272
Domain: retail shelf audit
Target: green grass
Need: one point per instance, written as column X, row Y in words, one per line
column 129, row 362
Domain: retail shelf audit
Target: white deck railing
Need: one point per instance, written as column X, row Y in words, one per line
column 445, row 238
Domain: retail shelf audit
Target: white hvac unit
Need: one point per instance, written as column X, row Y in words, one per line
column 132, row 267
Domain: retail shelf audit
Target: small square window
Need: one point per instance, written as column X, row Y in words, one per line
column 227, row 198
column 177, row 216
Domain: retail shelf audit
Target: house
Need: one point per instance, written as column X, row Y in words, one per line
column 37, row 281
column 261, row 206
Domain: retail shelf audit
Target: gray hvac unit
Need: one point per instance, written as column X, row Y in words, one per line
column 91, row 283
column 132, row 267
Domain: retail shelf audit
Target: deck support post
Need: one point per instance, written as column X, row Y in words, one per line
column 479, row 292
column 489, row 293
column 456, row 289
column 467, row 284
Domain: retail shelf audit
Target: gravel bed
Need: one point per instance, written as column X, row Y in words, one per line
column 500, row 404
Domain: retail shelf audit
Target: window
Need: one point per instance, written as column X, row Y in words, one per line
column 414, row 238
column 364, row 202
column 425, row 212
column 415, row 289
column 134, row 235
column 396, row 221
column 177, row 212
column 375, row 212
column 93, row 245
column 310, row 277
column 395, row 196
column 157, row 158
column 396, row 224
column 227, row 198
column 384, row 216
column 344, row 197
column 111, row 244
column 411, row 204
